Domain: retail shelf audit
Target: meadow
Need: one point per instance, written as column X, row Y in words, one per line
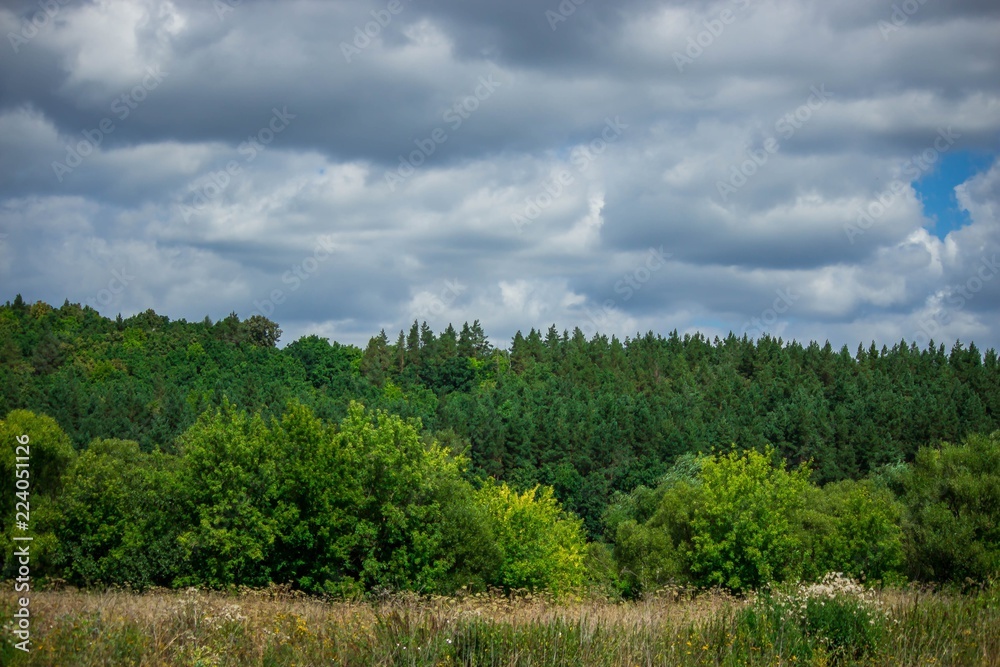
column 834, row 622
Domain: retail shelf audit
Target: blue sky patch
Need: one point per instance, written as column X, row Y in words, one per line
column 936, row 189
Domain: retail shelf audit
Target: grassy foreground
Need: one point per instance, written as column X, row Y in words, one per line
column 832, row 623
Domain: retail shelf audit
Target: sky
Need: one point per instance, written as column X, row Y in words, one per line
column 807, row 169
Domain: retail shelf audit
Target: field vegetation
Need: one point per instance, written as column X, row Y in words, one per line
column 831, row 623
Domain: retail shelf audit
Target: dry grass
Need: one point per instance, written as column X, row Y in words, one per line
column 276, row 627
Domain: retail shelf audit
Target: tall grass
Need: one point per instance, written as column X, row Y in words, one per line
column 833, row 623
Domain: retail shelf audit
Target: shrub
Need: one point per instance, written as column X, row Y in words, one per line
column 742, row 521
column 120, row 517
column 853, row 527
column 729, row 520
column 952, row 523
column 541, row 547
column 50, row 454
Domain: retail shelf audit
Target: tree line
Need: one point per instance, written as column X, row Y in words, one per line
column 635, row 453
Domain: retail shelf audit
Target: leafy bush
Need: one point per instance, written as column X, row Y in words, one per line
column 649, row 526
column 541, row 547
column 854, row 528
column 121, row 516
column 50, row 454
column 952, row 523
column 338, row 510
column 728, row 520
column 743, row 533
column 230, row 472
column 416, row 525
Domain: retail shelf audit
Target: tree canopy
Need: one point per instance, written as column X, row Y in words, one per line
column 287, row 477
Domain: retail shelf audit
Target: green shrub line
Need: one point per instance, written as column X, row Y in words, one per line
column 370, row 504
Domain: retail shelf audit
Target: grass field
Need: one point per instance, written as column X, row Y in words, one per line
column 818, row 625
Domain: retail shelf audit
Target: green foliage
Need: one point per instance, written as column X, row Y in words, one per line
column 121, row 514
column 283, row 481
column 952, row 524
column 591, row 418
column 650, row 527
column 49, row 456
column 329, row 367
column 742, row 523
column 261, row 331
column 541, row 547
column 648, row 558
column 724, row 520
column 341, row 510
column 232, row 476
column 854, row 528
column 411, row 494
column 318, row 482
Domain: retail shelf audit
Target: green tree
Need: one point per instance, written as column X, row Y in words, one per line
column 261, row 331
column 319, row 480
column 122, row 512
column 743, row 523
column 952, row 497
column 232, row 475
column 853, row 528
column 651, row 529
column 541, row 547
column 409, row 492
column 31, row 492
column 48, row 448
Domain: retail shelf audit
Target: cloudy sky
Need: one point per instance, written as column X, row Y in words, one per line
column 815, row 170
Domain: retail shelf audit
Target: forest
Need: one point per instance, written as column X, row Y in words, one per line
column 173, row 453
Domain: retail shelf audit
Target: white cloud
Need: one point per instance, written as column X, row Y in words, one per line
column 396, row 251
